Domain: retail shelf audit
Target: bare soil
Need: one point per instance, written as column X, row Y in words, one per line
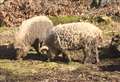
column 35, row 68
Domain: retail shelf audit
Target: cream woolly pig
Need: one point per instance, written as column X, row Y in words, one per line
column 75, row 36
column 32, row 32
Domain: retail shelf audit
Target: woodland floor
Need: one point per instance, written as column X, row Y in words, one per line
column 35, row 69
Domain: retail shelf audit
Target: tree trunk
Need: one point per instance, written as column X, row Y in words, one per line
column 95, row 3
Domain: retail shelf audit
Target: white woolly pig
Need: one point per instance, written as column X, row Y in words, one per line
column 32, row 32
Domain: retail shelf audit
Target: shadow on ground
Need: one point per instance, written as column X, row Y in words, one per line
column 111, row 56
column 6, row 52
column 110, row 68
column 109, row 52
column 35, row 56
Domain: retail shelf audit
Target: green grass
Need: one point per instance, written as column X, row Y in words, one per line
column 28, row 67
column 64, row 19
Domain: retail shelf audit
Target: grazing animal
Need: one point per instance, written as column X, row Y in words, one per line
column 32, row 32
column 74, row 36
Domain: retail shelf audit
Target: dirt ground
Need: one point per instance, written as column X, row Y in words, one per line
column 35, row 68
column 58, row 72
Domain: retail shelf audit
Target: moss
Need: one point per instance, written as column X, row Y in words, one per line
column 3, row 29
column 103, row 22
column 27, row 67
column 31, row 67
column 64, row 19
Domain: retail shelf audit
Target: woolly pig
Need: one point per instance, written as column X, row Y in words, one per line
column 32, row 32
column 75, row 36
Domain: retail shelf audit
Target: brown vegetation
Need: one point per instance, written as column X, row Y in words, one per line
column 13, row 12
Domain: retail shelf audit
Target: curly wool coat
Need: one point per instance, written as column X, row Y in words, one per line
column 32, row 32
column 75, row 36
